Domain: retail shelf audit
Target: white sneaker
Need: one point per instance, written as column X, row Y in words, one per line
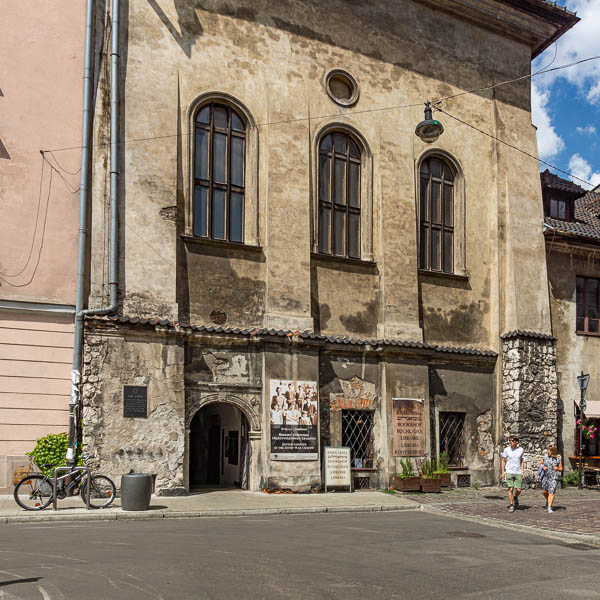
column 550, row 510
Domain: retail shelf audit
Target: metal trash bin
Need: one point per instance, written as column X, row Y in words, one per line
column 136, row 489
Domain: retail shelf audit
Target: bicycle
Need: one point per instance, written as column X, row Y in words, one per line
column 36, row 490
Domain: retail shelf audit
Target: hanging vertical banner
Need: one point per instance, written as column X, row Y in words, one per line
column 294, row 413
column 409, row 427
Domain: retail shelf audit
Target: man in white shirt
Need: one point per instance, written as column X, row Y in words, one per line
column 512, row 471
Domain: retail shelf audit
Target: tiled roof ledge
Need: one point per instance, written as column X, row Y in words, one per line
column 524, row 333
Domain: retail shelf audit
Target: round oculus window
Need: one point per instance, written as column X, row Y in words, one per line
column 341, row 87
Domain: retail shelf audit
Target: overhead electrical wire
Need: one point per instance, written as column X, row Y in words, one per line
column 39, row 254
column 355, row 112
column 511, row 145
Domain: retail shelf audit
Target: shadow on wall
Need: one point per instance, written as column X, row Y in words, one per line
column 383, row 36
column 190, row 27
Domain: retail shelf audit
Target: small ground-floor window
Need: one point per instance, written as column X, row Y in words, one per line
column 357, row 433
column 450, row 437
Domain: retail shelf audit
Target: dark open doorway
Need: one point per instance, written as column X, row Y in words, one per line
column 219, row 449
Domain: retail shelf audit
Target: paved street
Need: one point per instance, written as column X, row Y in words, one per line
column 575, row 511
column 402, row 554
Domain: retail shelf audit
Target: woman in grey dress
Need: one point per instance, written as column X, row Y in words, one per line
column 552, row 467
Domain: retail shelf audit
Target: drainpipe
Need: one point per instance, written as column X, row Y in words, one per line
column 80, row 313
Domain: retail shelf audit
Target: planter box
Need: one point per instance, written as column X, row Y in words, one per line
column 431, row 485
column 445, row 480
column 407, row 484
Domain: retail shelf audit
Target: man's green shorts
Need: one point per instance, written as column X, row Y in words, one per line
column 514, row 481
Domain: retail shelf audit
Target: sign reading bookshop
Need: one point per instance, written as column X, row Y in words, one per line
column 409, row 427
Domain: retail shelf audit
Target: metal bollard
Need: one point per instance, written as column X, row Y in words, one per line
column 136, row 489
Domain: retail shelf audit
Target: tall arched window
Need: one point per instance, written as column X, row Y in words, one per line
column 219, row 166
column 339, row 195
column 436, row 214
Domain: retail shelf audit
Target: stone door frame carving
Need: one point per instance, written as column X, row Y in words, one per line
column 197, row 400
column 246, row 406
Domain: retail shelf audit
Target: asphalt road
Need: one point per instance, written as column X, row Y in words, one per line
column 361, row 555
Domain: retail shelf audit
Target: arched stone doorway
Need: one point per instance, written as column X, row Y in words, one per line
column 219, row 448
column 222, row 441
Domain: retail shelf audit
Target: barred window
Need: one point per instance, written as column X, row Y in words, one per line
column 219, row 173
column 436, row 216
column 451, row 441
column 357, row 433
column 588, row 305
column 339, row 195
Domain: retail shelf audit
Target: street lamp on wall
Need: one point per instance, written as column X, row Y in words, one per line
column 583, row 381
column 430, row 129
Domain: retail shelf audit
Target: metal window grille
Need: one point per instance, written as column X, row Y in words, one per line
column 463, row 480
column 362, row 483
column 357, row 433
column 451, row 434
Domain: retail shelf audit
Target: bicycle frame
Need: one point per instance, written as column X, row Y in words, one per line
column 72, row 470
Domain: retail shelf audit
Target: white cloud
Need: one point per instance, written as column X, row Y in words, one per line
column 582, row 41
column 549, row 142
column 587, row 130
column 581, row 169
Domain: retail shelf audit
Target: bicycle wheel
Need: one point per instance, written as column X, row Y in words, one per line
column 102, row 491
column 33, row 492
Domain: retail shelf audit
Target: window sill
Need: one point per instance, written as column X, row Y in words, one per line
column 441, row 274
column 363, row 468
column 587, row 333
column 192, row 239
column 343, row 259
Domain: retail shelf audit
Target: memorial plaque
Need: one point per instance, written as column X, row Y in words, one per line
column 409, row 427
column 135, row 401
column 336, row 464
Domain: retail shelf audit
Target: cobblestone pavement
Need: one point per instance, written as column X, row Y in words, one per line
column 575, row 512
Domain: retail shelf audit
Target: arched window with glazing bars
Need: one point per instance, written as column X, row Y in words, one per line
column 339, row 195
column 436, row 216
column 219, row 173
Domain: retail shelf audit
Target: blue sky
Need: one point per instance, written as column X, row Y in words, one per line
column 566, row 103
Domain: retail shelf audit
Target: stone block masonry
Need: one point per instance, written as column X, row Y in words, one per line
column 530, row 393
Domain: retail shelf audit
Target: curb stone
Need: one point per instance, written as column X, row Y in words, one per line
column 156, row 515
column 593, row 540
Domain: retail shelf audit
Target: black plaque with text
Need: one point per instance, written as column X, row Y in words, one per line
column 135, row 401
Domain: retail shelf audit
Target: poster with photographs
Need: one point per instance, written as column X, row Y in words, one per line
column 294, row 415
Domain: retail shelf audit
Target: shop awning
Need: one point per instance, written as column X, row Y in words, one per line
column 592, row 409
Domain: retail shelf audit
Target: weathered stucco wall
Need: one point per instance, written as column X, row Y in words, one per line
column 116, row 443
column 272, row 58
column 469, row 391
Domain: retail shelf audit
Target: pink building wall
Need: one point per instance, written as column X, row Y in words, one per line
column 41, row 44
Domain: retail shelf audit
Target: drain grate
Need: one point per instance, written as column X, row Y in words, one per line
column 465, row 534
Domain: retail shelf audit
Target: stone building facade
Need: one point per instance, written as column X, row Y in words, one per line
column 289, row 245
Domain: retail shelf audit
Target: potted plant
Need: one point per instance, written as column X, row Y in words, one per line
column 430, row 482
column 408, row 480
column 442, row 470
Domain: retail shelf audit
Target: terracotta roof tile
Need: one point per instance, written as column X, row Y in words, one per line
column 259, row 331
